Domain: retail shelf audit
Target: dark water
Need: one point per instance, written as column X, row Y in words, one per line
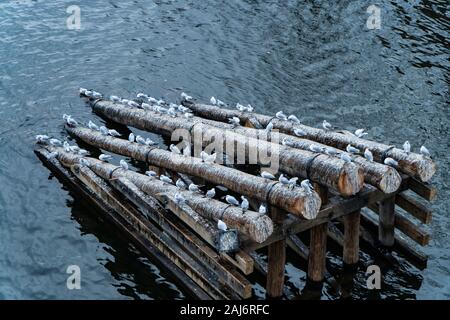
column 316, row 59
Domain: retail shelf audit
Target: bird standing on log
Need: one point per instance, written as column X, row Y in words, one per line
column 326, row 125
column 180, row 184
column 368, row 155
column 244, row 203
column 179, row 199
column 234, row 121
column 299, row 132
column 221, row 225
column 131, row 137
column 407, row 147
column 232, row 200
column 390, row 162
column 165, row 179
column 213, row 101
column 280, row 115
column 104, row 157
column 307, row 186
column 267, row 175
column 93, row 126
column 262, row 209
column 193, row 188
column 294, row 119
column 150, row 173
column 123, row 164
column 174, row 149
column 211, row 193
column 360, row 133
column 424, row 151
column 351, row 149
column 283, row 180
column 114, row 133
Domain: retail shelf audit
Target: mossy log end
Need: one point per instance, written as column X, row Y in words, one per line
column 256, row 226
column 410, row 163
column 345, row 178
column 293, row 200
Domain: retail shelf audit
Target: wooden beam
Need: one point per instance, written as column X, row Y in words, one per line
column 276, row 262
column 423, row 189
column 414, row 207
column 317, row 253
column 351, row 238
column 386, row 226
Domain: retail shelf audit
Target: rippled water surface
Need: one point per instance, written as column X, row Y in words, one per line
column 316, row 59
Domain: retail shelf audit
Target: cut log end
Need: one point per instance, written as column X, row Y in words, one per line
column 425, row 168
column 309, row 208
column 351, row 179
column 261, row 229
column 390, row 181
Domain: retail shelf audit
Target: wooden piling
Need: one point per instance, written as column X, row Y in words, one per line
column 351, row 238
column 386, row 228
column 317, row 253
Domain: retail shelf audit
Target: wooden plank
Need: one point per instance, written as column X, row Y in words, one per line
column 414, row 207
column 386, row 227
column 276, row 262
column 408, row 228
column 185, row 237
column 113, row 217
column 351, row 238
column 317, row 252
column 199, row 273
column 423, row 189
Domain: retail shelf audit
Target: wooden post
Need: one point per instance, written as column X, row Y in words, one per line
column 387, row 222
column 276, row 261
column 351, row 238
column 317, row 252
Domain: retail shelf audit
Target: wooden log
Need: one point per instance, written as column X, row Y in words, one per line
column 386, row 226
column 351, row 238
column 276, row 262
column 184, row 236
column 256, row 226
column 294, row 200
column 413, row 207
column 425, row 190
column 317, row 253
column 343, row 177
column 157, row 257
column 407, row 227
column 411, row 163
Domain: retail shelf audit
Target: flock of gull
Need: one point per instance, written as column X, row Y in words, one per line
column 174, row 110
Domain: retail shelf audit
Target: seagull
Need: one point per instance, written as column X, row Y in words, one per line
column 180, row 184
column 188, row 115
column 213, row 101
column 307, row 186
column 262, row 209
column 152, row 100
column 222, row 188
column 149, row 142
column 240, row 107
column 249, row 108
column 174, row 149
column 293, row 182
column 115, row 98
column 96, row 95
column 299, row 132
column 150, row 173
column 211, row 193
column 267, row 175
column 424, row 151
column 71, row 121
column 114, row 133
column 161, row 109
column 390, row 162
column 131, row 137
column 83, row 162
column 124, row 164
column 315, row 148
column 88, row 93
column 124, row 101
column 186, row 97
column 235, row 121
column 407, row 147
column 221, row 103
column 66, row 146
column 207, row 158
column 326, row 125
column 368, row 154
column 42, row 138
column 346, row 157
column 171, row 112
column 52, row 155
column 351, row 149
column 92, row 126
column 161, row 102
column 55, row 142
column 283, row 180
column 221, row 225
column 280, row 115
column 244, row 204
column 83, row 90
column 165, row 179
column 232, row 200
column 183, row 109
column 330, row 151
column 83, row 152
column 133, row 104
column 360, row 133
column 142, row 95
column 104, row 157
column 104, row 131
column 293, row 119
column 179, row 199
column 146, row 106
column 74, row 149
column 269, row 127
column 140, row 140
column 193, row 187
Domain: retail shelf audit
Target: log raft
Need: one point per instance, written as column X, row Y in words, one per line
column 342, row 177
column 410, row 163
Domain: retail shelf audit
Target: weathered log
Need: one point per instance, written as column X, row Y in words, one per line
column 345, row 178
column 293, row 200
column 411, row 163
column 257, row 227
